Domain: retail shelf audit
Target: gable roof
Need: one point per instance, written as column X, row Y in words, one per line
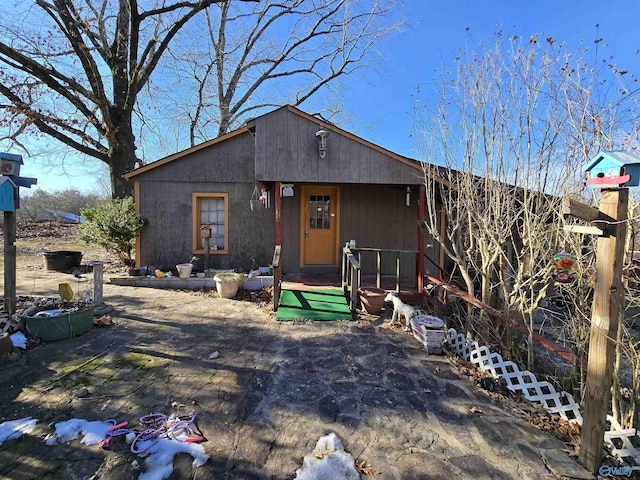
column 613, row 157
column 250, row 128
column 184, row 153
column 330, row 126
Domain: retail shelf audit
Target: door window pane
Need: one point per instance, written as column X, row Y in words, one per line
column 319, row 211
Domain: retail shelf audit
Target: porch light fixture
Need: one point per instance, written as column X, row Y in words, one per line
column 322, row 135
column 408, row 196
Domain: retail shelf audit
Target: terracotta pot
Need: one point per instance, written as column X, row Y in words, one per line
column 372, row 299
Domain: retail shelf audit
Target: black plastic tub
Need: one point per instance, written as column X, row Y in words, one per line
column 62, row 260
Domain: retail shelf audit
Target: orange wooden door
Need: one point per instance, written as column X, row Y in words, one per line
column 319, row 238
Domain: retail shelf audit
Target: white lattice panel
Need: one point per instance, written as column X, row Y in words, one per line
column 619, row 440
column 7, row 325
column 524, row 382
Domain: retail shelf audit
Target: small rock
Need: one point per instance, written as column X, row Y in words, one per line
column 214, row 355
column 80, row 392
column 6, row 347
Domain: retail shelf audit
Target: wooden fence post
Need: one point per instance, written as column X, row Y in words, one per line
column 608, row 297
column 9, row 299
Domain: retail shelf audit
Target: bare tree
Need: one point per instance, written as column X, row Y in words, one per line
column 73, row 69
column 280, row 52
column 505, row 136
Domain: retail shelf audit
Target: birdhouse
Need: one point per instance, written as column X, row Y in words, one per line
column 7, row 195
column 10, row 164
column 613, row 169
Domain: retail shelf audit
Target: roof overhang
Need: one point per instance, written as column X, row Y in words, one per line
column 163, row 161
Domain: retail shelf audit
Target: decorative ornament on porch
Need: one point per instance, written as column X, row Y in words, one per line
column 254, row 201
column 265, row 196
column 564, row 264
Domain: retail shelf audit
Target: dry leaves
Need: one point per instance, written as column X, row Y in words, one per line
column 366, row 469
column 104, row 321
column 322, row 453
column 533, row 413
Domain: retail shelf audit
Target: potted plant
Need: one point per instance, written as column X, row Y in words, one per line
column 184, row 269
column 372, row 299
column 227, row 283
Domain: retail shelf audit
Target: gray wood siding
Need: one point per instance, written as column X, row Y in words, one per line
column 166, row 203
column 377, row 217
column 228, row 161
column 374, row 215
column 166, row 240
column 287, row 151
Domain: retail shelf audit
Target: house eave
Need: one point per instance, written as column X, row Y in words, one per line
column 163, row 161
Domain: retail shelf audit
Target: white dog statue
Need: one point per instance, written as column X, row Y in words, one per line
column 401, row 310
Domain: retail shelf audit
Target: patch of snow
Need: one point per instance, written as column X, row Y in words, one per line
column 70, row 430
column 159, row 456
column 159, row 461
column 16, row 428
column 19, row 340
column 334, row 464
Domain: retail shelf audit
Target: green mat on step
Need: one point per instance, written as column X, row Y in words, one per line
column 313, row 305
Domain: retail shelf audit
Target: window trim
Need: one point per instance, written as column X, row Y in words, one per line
column 196, row 201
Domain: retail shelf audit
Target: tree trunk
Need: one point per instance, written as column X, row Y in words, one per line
column 122, row 155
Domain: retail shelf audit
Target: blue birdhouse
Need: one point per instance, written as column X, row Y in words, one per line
column 613, row 169
column 8, row 193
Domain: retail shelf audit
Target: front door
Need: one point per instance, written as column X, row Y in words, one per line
column 319, row 236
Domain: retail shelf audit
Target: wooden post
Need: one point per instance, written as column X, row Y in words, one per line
column 278, row 213
column 608, row 296
column 398, row 272
column 9, row 300
column 420, row 261
column 98, row 279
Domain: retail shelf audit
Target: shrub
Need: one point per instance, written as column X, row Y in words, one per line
column 112, row 225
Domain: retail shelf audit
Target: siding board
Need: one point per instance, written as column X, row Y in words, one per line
column 287, row 151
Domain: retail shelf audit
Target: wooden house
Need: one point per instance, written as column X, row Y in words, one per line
column 285, row 178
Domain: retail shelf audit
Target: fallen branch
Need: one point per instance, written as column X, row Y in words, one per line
column 75, row 369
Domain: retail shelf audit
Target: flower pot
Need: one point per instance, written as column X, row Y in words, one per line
column 58, row 324
column 62, row 260
column 227, row 283
column 372, row 299
column 184, row 270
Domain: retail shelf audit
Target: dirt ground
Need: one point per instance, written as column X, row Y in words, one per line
column 263, row 391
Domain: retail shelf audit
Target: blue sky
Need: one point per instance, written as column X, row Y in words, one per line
column 379, row 106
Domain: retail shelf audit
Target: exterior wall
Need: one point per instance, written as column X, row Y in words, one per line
column 165, row 201
column 287, row 151
column 374, row 215
column 372, row 196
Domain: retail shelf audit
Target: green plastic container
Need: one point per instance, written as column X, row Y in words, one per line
column 60, row 327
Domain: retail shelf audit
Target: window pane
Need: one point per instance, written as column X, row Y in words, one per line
column 212, row 215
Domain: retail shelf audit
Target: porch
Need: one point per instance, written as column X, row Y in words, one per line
column 351, row 279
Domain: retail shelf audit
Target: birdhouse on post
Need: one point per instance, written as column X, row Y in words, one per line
column 10, row 164
column 613, row 169
column 8, row 191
